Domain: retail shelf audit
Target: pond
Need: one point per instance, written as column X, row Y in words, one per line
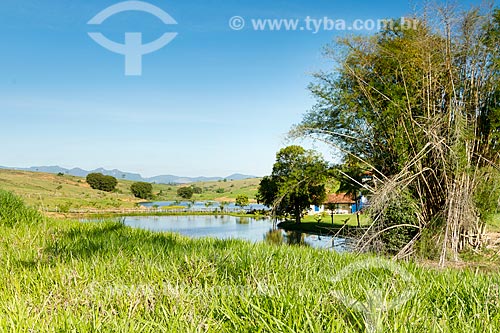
column 229, row 227
column 202, row 206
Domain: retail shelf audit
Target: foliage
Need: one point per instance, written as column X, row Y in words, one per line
column 185, row 192
column 242, row 200
column 487, row 193
column 197, row 190
column 142, row 190
column 397, row 220
column 420, row 108
column 98, row 181
column 63, row 275
column 65, row 207
column 223, row 205
column 297, row 181
column 13, row 211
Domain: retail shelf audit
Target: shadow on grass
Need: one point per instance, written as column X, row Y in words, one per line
column 323, row 229
column 111, row 238
column 106, row 238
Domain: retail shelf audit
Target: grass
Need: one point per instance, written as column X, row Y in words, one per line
column 343, row 225
column 338, row 219
column 494, row 223
column 66, row 193
column 66, row 276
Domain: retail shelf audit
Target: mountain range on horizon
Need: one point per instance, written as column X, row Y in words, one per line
column 161, row 179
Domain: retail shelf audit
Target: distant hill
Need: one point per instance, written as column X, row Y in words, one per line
column 162, row 179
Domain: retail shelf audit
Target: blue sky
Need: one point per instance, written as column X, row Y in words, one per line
column 212, row 102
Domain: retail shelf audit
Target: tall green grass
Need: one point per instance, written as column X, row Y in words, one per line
column 66, row 276
column 13, row 211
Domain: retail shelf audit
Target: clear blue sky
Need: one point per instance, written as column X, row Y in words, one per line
column 212, row 102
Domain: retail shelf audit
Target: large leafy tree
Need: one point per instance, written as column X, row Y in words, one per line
column 98, row 181
column 185, row 192
column 242, row 200
column 420, row 108
column 297, row 181
column 142, row 190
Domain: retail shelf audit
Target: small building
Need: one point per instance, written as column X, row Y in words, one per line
column 339, row 203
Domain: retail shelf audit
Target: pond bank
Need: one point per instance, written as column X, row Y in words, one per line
column 324, row 229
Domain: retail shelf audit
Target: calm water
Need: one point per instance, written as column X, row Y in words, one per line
column 208, row 206
column 227, row 227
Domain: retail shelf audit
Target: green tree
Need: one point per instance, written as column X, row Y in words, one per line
column 98, row 181
column 420, row 108
column 297, row 181
column 142, row 190
column 185, row 192
column 242, row 200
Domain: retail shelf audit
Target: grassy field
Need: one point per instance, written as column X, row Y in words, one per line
column 50, row 191
column 66, row 276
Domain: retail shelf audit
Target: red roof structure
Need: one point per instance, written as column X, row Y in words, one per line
column 340, row 198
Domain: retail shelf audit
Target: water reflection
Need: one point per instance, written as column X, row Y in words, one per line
column 274, row 236
column 243, row 220
column 202, row 206
column 229, row 227
column 296, row 238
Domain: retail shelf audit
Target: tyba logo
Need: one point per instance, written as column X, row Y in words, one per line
column 133, row 49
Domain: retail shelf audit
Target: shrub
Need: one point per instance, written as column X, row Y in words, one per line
column 242, row 200
column 65, row 207
column 197, row 190
column 487, row 194
column 402, row 211
column 142, row 190
column 98, row 181
column 185, row 192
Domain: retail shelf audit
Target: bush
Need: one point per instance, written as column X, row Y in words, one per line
column 142, row 190
column 487, row 194
column 185, row 192
column 13, row 211
column 197, row 190
column 65, row 207
column 98, row 181
column 401, row 211
column 242, row 200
